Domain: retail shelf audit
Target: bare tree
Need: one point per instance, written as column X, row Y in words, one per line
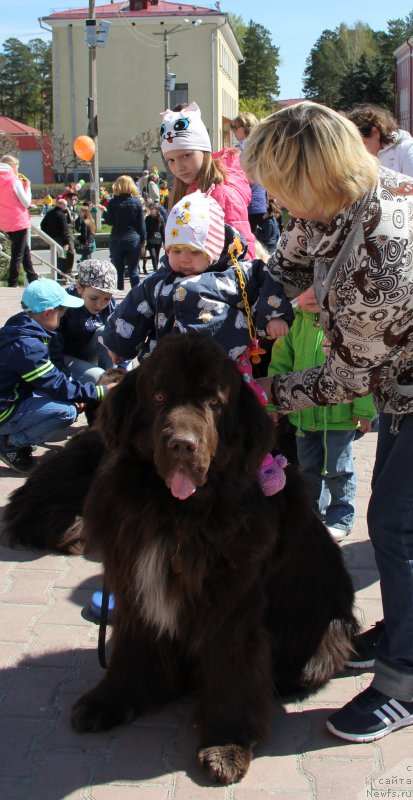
column 8, row 144
column 145, row 143
column 58, row 154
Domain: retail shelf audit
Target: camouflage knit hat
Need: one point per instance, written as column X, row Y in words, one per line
column 98, row 274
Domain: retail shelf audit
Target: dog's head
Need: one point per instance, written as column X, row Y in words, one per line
column 189, row 411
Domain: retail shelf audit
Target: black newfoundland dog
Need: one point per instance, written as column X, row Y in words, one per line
column 218, row 588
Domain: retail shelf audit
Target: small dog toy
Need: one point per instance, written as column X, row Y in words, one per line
column 271, row 475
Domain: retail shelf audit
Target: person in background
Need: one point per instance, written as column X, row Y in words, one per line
column 55, row 224
column 15, row 200
column 76, row 348
column 155, row 233
column 351, row 236
column 142, row 184
column 186, row 148
column 47, row 202
column 127, row 238
column 241, row 127
column 164, row 194
column 268, row 229
column 36, row 398
column 153, row 188
column 383, row 137
column 85, row 225
column 324, row 434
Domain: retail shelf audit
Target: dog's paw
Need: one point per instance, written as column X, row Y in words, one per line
column 227, row 763
column 90, row 716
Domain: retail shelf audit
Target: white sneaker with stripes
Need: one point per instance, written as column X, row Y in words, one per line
column 370, row 716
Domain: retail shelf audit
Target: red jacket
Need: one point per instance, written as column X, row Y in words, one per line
column 233, row 195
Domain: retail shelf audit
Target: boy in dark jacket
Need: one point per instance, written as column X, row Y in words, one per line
column 36, row 399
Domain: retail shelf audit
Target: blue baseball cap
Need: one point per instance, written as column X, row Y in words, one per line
column 45, row 293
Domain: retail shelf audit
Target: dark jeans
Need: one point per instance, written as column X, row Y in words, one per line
column 154, row 250
column 390, row 524
column 65, row 264
column 125, row 253
column 20, row 254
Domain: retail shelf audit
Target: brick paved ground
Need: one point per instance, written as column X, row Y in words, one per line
column 48, row 658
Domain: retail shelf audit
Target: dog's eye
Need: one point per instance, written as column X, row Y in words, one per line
column 159, row 397
column 213, row 401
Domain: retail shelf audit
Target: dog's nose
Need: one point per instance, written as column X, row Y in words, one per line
column 182, row 445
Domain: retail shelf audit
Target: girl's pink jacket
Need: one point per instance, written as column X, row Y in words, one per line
column 233, row 195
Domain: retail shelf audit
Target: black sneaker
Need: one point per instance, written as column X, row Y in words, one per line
column 365, row 647
column 18, row 458
column 370, row 716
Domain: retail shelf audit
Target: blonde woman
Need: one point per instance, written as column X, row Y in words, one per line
column 15, row 200
column 351, row 234
column 241, row 127
column 127, row 238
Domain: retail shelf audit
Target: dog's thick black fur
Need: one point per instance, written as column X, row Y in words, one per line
column 216, row 586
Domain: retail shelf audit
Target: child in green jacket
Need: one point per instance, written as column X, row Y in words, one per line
column 324, row 434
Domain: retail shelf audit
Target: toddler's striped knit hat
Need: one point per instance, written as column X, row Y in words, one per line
column 197, row 222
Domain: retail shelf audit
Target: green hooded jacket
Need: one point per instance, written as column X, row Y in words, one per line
column 301, row 349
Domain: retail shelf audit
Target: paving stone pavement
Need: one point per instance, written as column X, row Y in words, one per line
column 48, row 658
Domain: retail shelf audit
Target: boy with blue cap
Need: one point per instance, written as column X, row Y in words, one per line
column 36, row 399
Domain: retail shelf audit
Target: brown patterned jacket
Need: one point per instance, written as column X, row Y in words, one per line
column 361, row 265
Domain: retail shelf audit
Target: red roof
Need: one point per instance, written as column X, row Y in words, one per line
column 122, row 9
column 290, row 102
column 8, row 125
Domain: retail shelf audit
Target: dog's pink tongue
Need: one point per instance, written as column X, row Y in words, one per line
column 181, row 485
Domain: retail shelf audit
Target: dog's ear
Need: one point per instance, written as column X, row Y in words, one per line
column 257, row 430
column 118, row 411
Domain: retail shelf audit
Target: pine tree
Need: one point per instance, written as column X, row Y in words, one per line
column 258, row 74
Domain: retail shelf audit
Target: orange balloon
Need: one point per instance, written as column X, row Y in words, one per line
column 84, row 148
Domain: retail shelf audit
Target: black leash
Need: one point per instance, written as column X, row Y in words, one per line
column 104, row 611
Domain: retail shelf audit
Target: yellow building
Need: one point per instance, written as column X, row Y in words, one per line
column 146, row 42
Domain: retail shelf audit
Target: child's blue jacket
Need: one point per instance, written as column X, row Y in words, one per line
column 26, row 368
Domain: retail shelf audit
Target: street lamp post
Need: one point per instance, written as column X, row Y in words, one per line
column 92, row 119
column 169, row 56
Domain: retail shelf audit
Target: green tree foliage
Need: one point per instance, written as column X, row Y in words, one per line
column 259, row 106
column 331, row 57
column 239, row 27
column 367, row 81
column 258, row 74
column 26, row 83
column 355, row 64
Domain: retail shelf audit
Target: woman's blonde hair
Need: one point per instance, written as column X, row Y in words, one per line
column 212, row 171
column 125, row 185
column 311, row 156
column 12, row 161
column 245, row 120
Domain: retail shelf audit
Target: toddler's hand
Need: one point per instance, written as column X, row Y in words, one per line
column 276, row 327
